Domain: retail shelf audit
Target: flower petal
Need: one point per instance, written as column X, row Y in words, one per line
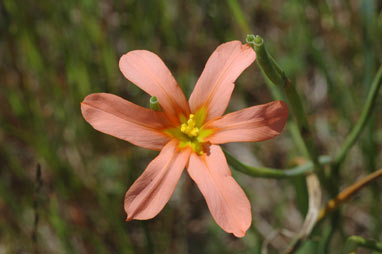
column 214, row 87
column 151, row 191
column 147, row 70
column 120, row 118
column 226, row 201
column 252, row 124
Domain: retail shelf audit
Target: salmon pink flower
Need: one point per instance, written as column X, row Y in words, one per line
column 187, row 134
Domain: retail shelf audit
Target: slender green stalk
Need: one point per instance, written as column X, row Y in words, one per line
column 274, row 73
column 239, row 15
column 356, row 131
column 355, row 242
column 149, row 242
column 271, row 172
column 267, row 65
column 326, row 240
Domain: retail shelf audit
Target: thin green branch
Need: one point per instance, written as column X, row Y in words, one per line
column 271, row 172
column 149, row 242
column 273, row 72
column 356, row 131
column 239, row 15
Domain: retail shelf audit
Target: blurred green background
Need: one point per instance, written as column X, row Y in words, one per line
column 54, row 53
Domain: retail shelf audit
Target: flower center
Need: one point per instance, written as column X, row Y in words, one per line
column 191, row 132
column 189, row 128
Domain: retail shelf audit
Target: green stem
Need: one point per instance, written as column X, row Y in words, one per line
column 149, row 242
column 239, row 15
column 271, row 172
column 267, row 65
column 356, row 131
column 274, row 73
column 354, row 242
column 327, row 238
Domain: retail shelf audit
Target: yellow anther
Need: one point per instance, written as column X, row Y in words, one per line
column 189, row 128
column 183, row 127
column 194, row 132
column 190, row 122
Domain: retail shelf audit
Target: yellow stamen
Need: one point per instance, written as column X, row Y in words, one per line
column 191, row 133
column 189, row 128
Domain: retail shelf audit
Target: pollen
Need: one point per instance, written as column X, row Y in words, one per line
column 189, row 128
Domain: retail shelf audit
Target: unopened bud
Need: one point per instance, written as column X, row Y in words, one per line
column 154, row 104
